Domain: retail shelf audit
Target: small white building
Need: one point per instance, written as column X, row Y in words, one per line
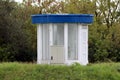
column 62, row 38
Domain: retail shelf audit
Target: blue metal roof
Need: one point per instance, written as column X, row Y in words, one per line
column 62, row 18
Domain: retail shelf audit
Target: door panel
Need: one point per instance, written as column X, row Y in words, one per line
column 57, row 54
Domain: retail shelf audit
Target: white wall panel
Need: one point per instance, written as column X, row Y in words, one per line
column 83, row 44
column 39, row 43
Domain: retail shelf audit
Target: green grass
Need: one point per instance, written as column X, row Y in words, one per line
column 24, row 71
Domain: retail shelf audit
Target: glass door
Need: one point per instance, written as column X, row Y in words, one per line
column 57, row 49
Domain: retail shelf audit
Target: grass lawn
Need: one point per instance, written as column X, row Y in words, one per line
column 24, row 71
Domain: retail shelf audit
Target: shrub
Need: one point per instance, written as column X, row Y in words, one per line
column 19, row 71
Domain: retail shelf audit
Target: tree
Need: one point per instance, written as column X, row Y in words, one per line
column 15, row 39
column 6, row 22
column 79, row 6
column 108, row 10
column 102, row 45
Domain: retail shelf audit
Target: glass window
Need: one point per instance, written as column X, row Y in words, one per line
column 45, row 44
column 72, row 41
column 58, row 34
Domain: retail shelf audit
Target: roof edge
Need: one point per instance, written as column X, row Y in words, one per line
column 62, row 18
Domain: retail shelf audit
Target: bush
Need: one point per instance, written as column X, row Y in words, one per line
column 19, row 71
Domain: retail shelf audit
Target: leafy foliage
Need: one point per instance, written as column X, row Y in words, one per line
column 14, row 38
column 104, row 71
